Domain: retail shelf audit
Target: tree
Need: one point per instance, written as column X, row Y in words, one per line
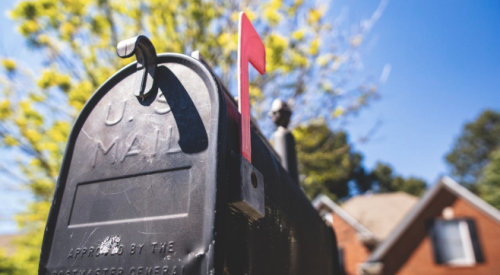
column 471, row 151
column 489, row 183
column 308, row 60
column 6, row 264
column 412, row 185
column 384, row 180
column 382, row 176
column 326, row 160
column 328, row 164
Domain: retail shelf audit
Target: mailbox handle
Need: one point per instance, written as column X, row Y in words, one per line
column 145, row 53
column 250, row 49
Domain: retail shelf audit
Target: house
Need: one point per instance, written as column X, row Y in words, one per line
column 363, row 222
column 448, row 231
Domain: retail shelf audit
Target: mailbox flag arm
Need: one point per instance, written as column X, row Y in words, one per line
column 145, row 53
column 250, row 49
column 248, row 194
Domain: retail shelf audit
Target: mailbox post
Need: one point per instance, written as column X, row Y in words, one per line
column 152, row 183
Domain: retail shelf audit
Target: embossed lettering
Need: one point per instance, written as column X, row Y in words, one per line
column 138, row 270
column 162, row 248
column 103, row 271
column 114, row 122
column 171, row 142
column 100, row 147
column 157, row 133
column 161, row 98
column 154, row 246
column 70, row 256
column 132, row 149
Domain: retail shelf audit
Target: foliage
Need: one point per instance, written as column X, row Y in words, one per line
column 489, row 183
column 411, row 185
column 326, row 160
column 384, row 180
column 471, row 150
column 328, row 163
column 6, row 264
column 308, row 60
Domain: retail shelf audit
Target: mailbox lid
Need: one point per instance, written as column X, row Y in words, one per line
column 138, row 184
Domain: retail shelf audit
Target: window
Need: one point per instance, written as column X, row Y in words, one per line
column 455, row 242
column 341, row 261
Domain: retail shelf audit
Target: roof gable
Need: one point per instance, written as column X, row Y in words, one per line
column 322, row 200
column 444, row 184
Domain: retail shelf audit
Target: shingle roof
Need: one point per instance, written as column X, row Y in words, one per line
column 380, row 213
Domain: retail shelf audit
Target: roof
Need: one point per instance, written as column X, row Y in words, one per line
column 445, row 183
column 325, row 201
column 380, row 213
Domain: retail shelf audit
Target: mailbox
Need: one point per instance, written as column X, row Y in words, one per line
column 153, row 182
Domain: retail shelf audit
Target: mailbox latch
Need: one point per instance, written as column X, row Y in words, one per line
column 145, row 53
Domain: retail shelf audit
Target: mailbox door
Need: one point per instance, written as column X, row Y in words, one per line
column 137, row 191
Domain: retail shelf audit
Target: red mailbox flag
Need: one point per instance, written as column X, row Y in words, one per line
column 250, row 49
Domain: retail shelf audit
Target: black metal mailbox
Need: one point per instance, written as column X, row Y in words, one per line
column 151, row 180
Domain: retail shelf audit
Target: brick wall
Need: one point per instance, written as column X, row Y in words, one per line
column 421, row 261
column 410, row 240
column 354, row 250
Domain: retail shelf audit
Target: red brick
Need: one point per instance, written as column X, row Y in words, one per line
column 421, row 261
column 355, row 252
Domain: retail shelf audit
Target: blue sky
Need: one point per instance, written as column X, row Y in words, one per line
column 445, row 60
column 12, row 198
